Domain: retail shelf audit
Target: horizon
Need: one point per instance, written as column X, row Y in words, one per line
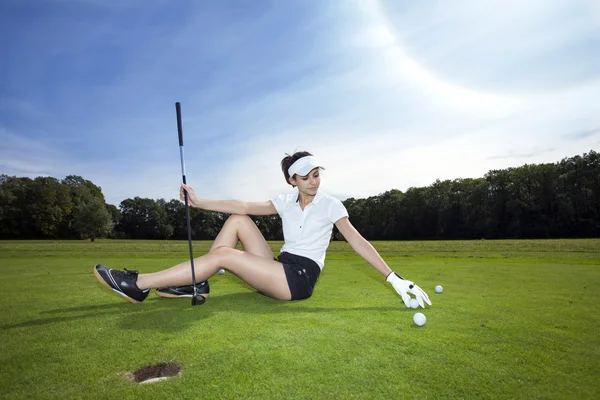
column 385, row 95
column 348, row 197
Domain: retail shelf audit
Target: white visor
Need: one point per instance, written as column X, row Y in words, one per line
column 303, row 166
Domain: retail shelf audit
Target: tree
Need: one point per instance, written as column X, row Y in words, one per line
column 164, row 230
column 115, row 215
column 143, row 218
column 114, row 212
column 579, row 195
column 81, row 192
column 75, row 182
column 175, row 211
column 49, row 204
column 92, row 219
column 15, row 219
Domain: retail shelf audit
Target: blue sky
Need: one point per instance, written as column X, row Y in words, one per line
column 387, row 94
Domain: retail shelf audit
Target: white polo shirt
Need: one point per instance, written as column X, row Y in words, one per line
column 307, row 233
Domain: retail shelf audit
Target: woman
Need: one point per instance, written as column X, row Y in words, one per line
column 307, row 215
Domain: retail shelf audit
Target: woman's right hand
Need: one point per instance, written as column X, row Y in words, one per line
column 193, row 199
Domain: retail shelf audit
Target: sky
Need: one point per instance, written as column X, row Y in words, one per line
column 386, row 94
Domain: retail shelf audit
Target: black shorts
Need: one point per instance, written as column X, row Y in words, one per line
column 301, row 273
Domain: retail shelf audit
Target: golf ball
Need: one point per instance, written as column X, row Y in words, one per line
column 419, row 319
column 414, row 303
column 221, row 271
column 439, row 289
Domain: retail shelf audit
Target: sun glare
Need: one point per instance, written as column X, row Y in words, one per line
column 400, row 65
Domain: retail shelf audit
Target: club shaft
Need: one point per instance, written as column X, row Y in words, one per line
column 182, row 166
column 185, row 197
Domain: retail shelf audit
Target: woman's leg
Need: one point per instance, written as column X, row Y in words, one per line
column 265, row 275
column 254, row 265
column 242, row 228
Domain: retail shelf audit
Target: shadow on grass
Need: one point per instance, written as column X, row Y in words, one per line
column 159, row 314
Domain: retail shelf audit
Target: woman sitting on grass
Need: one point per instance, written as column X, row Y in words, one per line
column 307, row 215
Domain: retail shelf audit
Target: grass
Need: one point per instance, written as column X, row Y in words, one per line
column 517, row 319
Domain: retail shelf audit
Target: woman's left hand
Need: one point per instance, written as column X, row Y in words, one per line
column 403, row 287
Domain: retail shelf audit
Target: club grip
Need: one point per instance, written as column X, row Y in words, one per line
column 179, row 127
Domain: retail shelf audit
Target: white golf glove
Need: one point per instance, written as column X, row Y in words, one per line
column 403, row 287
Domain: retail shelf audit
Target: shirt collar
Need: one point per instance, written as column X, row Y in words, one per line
column 315, row 200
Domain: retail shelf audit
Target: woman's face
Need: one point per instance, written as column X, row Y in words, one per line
column 308, row 184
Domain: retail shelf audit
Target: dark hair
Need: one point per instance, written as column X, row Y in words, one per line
column 287, row 162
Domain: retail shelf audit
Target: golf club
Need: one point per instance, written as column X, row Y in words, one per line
column 196, row 298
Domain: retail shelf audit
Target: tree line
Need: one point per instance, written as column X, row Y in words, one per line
column 45, row 207
column 554, row 200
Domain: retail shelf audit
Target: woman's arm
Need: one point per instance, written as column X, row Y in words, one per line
column 362, row 247
column 227, row 206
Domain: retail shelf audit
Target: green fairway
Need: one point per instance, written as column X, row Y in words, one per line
column 517, row 319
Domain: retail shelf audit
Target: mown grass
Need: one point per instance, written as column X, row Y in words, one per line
column 517, row 319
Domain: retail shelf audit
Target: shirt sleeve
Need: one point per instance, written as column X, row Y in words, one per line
column 278, row 201
column 336, row 211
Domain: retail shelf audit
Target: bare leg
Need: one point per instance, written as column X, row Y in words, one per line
column 242, row 228
column 265, row 275
column 255, row 265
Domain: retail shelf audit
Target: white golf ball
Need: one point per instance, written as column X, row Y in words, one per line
column 439, row 289
column 419, row 319
column 221, row 271
column 414, row 303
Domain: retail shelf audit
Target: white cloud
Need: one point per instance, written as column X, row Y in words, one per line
column 23, row 156
column 452, row 132
column 384, row 99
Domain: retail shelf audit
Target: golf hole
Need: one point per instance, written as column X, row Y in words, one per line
column 155, row 373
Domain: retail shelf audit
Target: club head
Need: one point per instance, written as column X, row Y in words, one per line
column 198, row 299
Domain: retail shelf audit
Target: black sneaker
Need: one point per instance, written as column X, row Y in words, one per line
column 121, row 282
column 184, row 291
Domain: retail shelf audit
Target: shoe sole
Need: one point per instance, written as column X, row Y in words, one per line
column 103, row 282
column 174, row 296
